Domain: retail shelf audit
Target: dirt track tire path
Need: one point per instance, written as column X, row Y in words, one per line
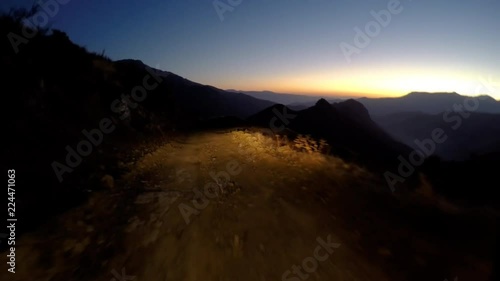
column 265, row 220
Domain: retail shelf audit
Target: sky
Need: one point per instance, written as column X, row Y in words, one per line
column 299, row 46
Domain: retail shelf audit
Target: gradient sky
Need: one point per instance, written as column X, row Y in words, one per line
column 294, row 45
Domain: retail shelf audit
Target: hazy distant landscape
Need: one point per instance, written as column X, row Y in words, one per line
column 248, row 162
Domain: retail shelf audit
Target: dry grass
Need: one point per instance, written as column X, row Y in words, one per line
column 301, row 151
column 281, row 144
column 308, row 144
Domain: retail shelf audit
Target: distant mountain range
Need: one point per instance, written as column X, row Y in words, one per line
column 411, row 117
column 430, row 103
column 290, row 100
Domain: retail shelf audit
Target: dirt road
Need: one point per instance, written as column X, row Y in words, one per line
column 233, row 206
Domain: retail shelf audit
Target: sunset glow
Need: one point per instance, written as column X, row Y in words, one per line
column 294, row 46
column 371, row 83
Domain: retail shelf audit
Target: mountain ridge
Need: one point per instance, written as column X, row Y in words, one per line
column 428, row 102
column 432, row 103
column 346, row 126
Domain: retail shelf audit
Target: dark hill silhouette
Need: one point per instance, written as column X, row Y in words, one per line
column 346, row 126
column 264, row 117
column 354, row 110
column 196, row 101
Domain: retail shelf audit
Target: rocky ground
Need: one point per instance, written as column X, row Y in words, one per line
column 235, row 206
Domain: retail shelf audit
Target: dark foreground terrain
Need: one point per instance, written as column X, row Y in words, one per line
column 263, row 218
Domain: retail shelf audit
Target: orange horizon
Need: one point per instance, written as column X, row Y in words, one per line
column 370, row 82
column 343, row 94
